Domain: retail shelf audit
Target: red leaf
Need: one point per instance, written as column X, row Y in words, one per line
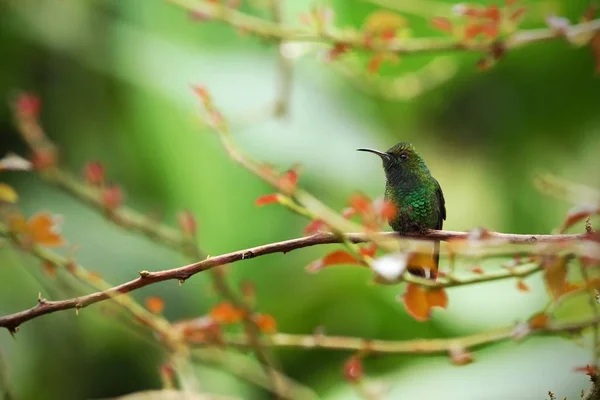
column 348, row 212
column 388, row 34
column 419, row 301
column 490, row 30
column 442, row 24
column 44, row 158
column 226, row 313
column 28, row 105
column 361, row 204
column 555, row 274
column 336, row 258
column 112, row 197
column 337, row 50
column 385, row 209
column 522, row 286
column 289, row 181
column 493, row 13
column 94, row 173
column 578, row 214
column 589, row 370
column 266, row 323
column 477, row 270
column 368, row 250
column 155, row 304
column 472, row 31
column 315, row 226
column 267, row 199
column 353, row 369
column 202, row 93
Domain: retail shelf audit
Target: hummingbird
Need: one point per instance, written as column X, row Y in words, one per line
column 417, row 196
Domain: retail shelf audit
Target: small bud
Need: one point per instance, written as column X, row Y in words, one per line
column 112, row 197
column 94, row 173
column 187, row 223
column 353, row 370
column 28, row 105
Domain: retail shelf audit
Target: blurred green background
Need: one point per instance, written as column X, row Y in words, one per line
column 115, row 78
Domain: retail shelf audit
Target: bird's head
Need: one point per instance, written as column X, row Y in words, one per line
column 400, row 160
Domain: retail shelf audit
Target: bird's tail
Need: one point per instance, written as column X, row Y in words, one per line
column 430, row 270
column 436, row 259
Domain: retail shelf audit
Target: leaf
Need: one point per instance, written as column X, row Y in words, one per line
column 8, row 194
column 539, row 321
column 337, row 51
column 112, row 197
column 517, row 14
column 578, row 214
column 361, row 204
column 267, row 199
column 477, row 270
column 155, row 304
column 28, row 105
column 94, row 173
column 49, row 269
column 368, row 250
column 459, row 355
column 522, row 286
column 419, row 301
column 383, row 22
column 315, row 226
column 471, row 31
column 491, row 31
column 353, row 370
column 289, row 181
column 492, row 13
column 43, row 229
column 384, row 209
column 200, row 330
column 13, row 162
column 226, row 313
column 266, row 323
column 589, row 370
column 335, row 258
column 555, row 274
column 442, row 24
column 375, row 63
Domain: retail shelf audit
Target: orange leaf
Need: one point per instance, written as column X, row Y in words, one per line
column 226, row 313
column 348, row 212
column 335, row 258
column 202, row 93
column 353, row 370
column 155, row 304
column 419, row 301
column 555, row 274
column 375, row 63
column 589, row 370
column 442, row 24
column 492, row 13
column 266, row 323
column 539, row 321
column 368, row 250
column 49, row 269
column 517, row 14
column 200, row 330
column 43, row 230
column 579, row 213
column 361, row 204
column 315, row 226
column 337, row 50
column 384, row 209
column 490, row 30
column 522, row 286
column 471, row 31
column 267, row 199
column 94, row 173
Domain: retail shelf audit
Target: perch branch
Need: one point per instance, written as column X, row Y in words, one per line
column 146, row 278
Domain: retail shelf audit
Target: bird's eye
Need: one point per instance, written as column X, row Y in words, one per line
column 404, row 156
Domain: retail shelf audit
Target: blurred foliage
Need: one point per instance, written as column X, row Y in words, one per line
column 115, row 77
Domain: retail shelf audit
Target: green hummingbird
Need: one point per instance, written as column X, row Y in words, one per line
column 417, row 196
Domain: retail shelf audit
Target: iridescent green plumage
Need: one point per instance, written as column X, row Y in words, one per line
column 417, row 196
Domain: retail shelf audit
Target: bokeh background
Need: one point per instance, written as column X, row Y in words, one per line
column 115, row 78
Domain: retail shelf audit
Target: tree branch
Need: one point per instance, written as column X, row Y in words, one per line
column 271, row 30
column 146, row 278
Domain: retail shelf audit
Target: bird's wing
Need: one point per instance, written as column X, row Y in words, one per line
column 442, row 204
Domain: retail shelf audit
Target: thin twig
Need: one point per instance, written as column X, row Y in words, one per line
column 415, row 346
column 284, row 66
column 594, row 306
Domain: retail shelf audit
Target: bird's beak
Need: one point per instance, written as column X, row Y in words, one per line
column 381, row 154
